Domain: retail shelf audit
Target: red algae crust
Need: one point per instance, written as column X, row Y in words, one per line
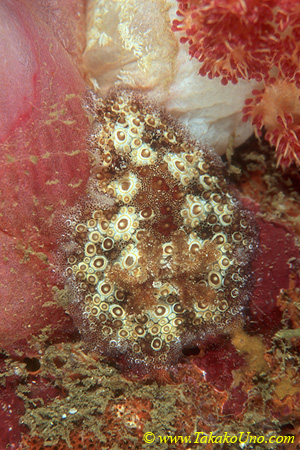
column 158, row 255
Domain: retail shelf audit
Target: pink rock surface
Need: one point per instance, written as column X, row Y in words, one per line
column 43, row 162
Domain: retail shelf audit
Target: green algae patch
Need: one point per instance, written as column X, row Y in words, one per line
column 95, row 397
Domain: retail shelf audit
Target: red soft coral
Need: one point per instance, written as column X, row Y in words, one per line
column 229, row 37
column 277, row 109
column 252, row 39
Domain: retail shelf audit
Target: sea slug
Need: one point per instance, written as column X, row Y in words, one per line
column 159, row 253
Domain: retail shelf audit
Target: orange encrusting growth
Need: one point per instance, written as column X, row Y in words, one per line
column 251, row 39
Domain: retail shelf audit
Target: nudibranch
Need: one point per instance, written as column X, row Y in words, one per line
column 159, row 253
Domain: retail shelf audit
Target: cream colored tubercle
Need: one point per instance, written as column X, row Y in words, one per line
column 130, row 42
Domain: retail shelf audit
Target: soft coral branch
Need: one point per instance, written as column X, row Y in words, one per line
column 229, row 37
column 252, row 39
column 277, row 109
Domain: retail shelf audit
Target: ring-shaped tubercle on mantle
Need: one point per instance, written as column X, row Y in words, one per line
column 158, row 255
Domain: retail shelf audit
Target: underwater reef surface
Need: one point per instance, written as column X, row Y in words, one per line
column 242, row 381
column 88, row 379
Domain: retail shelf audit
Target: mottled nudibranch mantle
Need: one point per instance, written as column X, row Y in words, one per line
column 160, row 250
